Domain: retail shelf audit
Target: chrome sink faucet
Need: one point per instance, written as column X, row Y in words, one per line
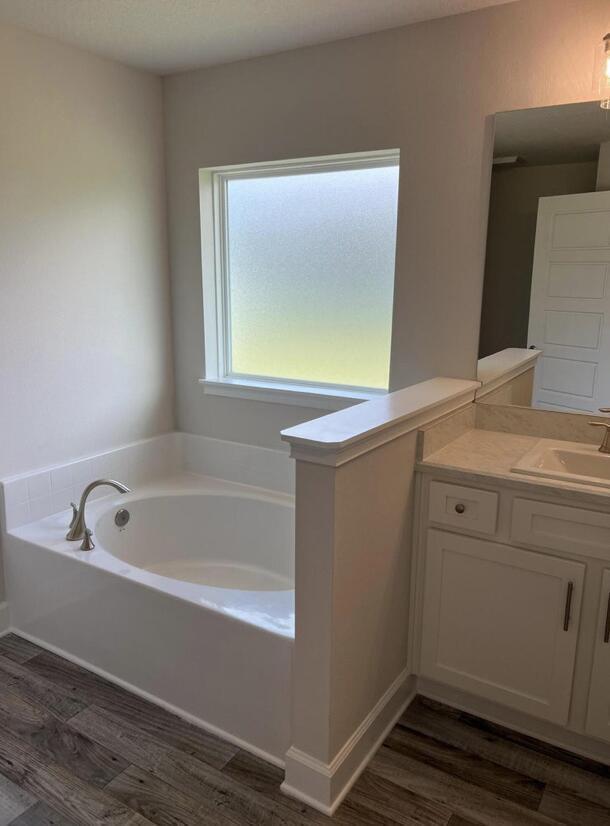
column 78, row 527
column 605, row 445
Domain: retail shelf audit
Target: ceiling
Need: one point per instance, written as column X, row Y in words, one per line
column 165, row 36
column 553, row 134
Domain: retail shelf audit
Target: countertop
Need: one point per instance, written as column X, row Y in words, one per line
column 481, row 456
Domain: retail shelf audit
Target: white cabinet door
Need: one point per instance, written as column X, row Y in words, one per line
column 570, row 302
column 501, row 623
column 598, row 717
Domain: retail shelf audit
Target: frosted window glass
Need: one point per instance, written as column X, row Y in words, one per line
column 311, row 275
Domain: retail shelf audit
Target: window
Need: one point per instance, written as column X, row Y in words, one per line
column 298, row 273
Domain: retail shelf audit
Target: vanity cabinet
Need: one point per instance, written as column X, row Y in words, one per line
column 598, row 716
column 511, row 607
column 502, row 623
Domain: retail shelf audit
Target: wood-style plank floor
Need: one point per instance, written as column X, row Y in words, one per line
column 75, row 749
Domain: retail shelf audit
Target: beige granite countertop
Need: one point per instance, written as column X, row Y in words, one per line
column 485, row 451
column 480, row 455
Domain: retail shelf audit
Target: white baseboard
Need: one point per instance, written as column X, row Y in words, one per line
column 324, row 785
column 190, row 718
column 5, row 618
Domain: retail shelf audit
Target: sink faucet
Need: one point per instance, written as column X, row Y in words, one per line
column 78, row 528
column 605, row 445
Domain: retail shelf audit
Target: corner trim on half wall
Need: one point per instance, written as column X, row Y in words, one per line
column 324, row 785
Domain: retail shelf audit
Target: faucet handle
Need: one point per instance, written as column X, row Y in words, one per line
column 74, row 514
column 88, row 544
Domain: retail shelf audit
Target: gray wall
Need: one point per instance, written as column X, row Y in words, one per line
column 428, row 89
column 511, row 234
column 85, row 337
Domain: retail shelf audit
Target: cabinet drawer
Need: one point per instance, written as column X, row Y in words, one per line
column 469, row 508
column 561, row 528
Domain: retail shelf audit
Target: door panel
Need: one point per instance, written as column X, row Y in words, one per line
column 577, row 280
column 586, row 227
column 567, row 376
column 493, row 623
column 570, row 302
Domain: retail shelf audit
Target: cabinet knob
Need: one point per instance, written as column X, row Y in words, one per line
column 459, row 508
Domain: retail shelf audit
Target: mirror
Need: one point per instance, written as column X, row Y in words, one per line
column 547, row 267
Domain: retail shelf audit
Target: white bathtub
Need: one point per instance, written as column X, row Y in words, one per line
column 231, row 540
column 191, row 603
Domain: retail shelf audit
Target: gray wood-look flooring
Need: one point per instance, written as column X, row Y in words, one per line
column 75, row 749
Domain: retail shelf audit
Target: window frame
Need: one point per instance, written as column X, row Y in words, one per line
column 218, row 378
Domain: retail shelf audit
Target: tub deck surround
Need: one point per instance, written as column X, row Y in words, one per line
column 209, row 638
column 270, row 609
column 354, row 497
column 42, row 492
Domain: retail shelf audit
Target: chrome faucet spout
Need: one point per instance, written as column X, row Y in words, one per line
column 78, row 527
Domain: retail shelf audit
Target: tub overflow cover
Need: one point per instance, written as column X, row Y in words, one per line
column 121, row 518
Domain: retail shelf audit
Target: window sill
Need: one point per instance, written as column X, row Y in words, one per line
column 302, row 395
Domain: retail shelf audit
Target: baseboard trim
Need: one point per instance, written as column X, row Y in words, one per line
column 185, row 715
column 5, row 619
column 324, row 785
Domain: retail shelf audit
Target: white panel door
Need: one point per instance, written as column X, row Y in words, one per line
column 570, row 302
column 501, row 623
column 598, row 717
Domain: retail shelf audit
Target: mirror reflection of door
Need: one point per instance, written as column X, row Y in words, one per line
column 569, row 317
column 547, row 269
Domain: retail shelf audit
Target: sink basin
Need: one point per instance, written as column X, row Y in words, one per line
column 568, row 461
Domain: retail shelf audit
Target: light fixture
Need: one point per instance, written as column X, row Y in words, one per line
column 603, row 73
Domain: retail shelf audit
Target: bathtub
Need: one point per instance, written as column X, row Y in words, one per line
column 187, row 599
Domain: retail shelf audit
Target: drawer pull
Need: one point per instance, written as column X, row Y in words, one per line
column 607, row 628
column 568, row 608
column 459, row 508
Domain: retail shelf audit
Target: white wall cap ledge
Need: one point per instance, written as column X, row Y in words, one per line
column 346, row 434
column 501, row 367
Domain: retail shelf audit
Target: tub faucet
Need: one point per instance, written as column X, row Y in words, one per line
column 78, row 528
